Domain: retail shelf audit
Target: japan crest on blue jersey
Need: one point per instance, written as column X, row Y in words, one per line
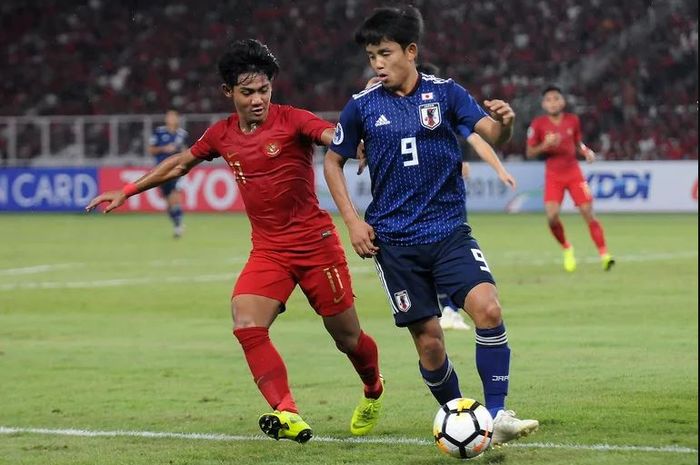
column 413, row 156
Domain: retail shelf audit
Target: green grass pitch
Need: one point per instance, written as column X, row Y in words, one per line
column 107, row 323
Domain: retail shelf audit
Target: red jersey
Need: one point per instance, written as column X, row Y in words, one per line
column 561, row 158
column 274, row 171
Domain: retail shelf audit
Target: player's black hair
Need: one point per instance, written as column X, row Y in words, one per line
column 401, row 25
column 247, row 56
column 550, row 88
column 428, row 68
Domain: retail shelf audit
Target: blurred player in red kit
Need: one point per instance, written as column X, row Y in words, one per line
column 557, row 135
column 268, row 147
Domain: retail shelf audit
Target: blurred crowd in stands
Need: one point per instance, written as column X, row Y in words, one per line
column 633, row 82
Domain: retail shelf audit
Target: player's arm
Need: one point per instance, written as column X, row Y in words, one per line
column 171, row 168
column 581, row 148
column 497, row 128
column 494, row 122
column 536, row 144
column 550, row 140
column 486, row 153
column 327, row 139
column 585, row 152
column 361, row 234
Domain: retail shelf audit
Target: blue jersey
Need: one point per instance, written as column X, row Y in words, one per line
column 414, row 159
column 162, row 136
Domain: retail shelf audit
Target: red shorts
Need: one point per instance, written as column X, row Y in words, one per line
column 322, row 275
column 574, row 182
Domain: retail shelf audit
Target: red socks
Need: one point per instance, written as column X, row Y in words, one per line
column 267, row 367
column 365, row 359
column 270, row 373
column 598, row 236
column 558, row 232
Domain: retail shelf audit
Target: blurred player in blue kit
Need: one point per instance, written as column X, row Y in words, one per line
column 165, row 141
column 415, row 228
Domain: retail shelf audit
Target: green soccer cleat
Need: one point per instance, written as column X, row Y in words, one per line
column 607, row 261
column 366, row 414
column 569, row 260
column 285, row 425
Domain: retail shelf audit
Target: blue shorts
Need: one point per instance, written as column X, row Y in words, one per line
column 168, row 187
column 411, row 274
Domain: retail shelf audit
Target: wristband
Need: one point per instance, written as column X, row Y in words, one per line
column 130, row 189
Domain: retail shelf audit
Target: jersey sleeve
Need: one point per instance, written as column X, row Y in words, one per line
column 348, row 131
column 534, row 135
column 153, row 140
column 205, row 148
column 467, row 112
column 310, row 125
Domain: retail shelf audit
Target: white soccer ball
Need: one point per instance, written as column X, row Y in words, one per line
column 463, row 428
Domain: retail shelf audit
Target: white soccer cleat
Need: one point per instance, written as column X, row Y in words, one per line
column 506, row 427
column 178, row 231
column 453, row 319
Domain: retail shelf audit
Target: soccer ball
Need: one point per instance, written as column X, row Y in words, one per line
column 463, row 428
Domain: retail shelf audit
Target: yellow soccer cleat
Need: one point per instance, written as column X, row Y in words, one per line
column 569, row 260
column 285, row 425
column 366, row 414
column 607, row 261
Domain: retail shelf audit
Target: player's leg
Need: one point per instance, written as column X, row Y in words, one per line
column 597, row 234
column 326, row 282
column 261, row 290
column 359, row 347
column 413, row 301
column 175, row 212
column 492, row 351
column 461, row 269
column 433, row 362
column 493, row 362
column 362, row 352
column 552, row 210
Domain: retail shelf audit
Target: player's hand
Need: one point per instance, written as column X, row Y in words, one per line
column 361, row 157
column 169, row 148
column 551, row 139
column 507, row 179
column 114, row 198
column 590, row 155
column 362, row 239
column 500, row 111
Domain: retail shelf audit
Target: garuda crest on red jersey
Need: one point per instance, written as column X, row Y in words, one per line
column 272, row 149
column 430, row 116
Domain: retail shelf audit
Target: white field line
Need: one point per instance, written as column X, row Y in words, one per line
column 47, row 267
column 32, row 285
column 37, row 269
column 377, row 440
column 117, row 282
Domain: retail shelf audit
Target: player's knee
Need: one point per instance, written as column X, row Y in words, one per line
column 489, row 315
column 241, row 321
column 552, row 220
column 346, row 345
column 346, row 340
column 431, row 347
